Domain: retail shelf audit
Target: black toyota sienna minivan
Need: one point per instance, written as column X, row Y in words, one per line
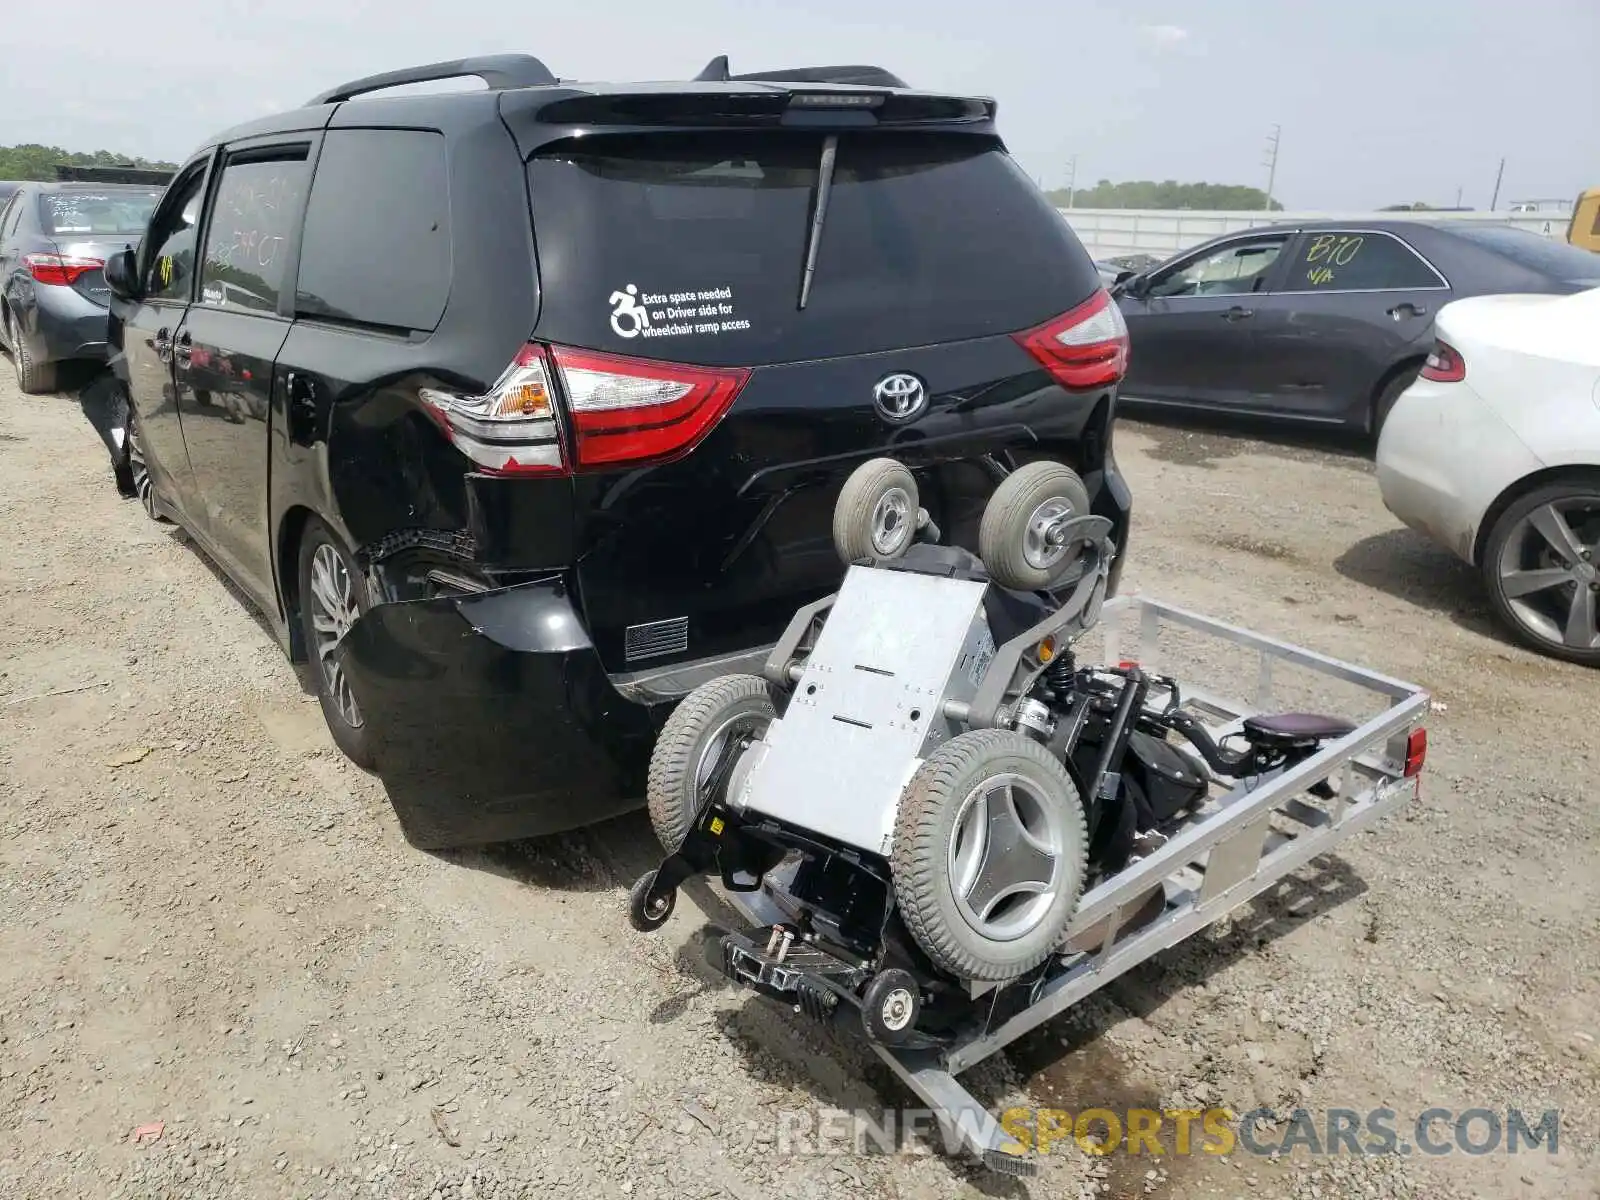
column 520, row 412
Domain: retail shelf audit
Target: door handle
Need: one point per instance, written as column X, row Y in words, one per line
column 162, row 344
column 1408, row 309
column 1238, row 314
column 183, row 348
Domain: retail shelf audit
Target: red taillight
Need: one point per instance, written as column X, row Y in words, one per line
column 630, row 410
column 619, row 410
column 1445, row 364
column 1416, row 752
column 61, row 269
column 1084, row 348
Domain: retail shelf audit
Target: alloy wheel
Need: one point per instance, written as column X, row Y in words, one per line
column 138, row 470
column 1549, row 572
column 333, row 612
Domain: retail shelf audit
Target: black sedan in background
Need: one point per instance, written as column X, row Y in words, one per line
column 54, row 239
column 1325, row 323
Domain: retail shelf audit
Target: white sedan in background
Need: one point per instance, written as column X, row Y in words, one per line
column 1495, row 453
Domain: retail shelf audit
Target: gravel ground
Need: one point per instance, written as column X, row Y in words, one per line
column 225, row 974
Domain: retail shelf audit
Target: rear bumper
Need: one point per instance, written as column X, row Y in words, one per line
column 63, row 325
column 492, row 718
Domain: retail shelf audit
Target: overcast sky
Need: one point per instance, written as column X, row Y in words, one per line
column 1381, row 101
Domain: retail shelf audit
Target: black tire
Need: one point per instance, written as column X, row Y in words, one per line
column 33, row 377
column 733, row 704
column 890, row 1006
column 647, row 920
column 352, row 737
column 876, row 513
column 1384, row 404
column 1538, row 619
column 1026, row 496
column 925, row 842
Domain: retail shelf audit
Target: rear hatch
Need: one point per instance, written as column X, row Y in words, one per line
column 88, row 225
column 680, row 259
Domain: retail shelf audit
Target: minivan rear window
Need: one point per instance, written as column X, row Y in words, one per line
column 692, row 246
column 1553, row 259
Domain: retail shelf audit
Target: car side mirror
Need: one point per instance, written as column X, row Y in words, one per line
column 122, row 275
column 1131, row 283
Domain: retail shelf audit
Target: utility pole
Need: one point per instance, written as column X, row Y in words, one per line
column 1271, row 162
column 1501, row 174
column 1072, row 180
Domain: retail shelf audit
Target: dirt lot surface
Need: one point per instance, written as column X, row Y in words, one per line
column 224, row 973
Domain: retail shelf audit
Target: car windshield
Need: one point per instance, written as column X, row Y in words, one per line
column 1556, row 260
column 91, row 213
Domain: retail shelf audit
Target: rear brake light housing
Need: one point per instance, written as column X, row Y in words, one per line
column 619, row 411
column 1086, row 347
column 1445, row 364
column 60, row 270
column 512, row 429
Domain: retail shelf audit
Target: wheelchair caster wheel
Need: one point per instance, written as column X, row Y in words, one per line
column 644, row 916
column 890, row 1006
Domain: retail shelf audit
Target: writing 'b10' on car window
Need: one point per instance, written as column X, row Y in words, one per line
column 248, row 238
column 1357, row 262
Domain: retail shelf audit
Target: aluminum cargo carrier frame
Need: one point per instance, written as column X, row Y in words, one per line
column 1246, row 838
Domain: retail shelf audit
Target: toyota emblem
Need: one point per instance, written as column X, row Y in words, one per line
column 900, row 398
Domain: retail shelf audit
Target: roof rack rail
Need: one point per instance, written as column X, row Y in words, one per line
column 496, row 71
column 717, row 71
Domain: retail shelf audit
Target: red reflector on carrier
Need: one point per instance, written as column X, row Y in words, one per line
column 1416, row 752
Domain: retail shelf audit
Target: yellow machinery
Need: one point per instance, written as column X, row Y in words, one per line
column 1584, row 229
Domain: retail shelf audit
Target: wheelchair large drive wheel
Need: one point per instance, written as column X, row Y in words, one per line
column 1017, row 537
column 990, row 854
column 702, row 731
column 876, row 513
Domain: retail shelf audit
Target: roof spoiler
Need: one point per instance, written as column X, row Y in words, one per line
column 717, row 71
column 496, row 71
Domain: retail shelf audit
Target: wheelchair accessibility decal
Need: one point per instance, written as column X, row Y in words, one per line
column 673, row 314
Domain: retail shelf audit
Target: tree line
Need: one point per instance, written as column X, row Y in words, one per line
column 1147, row 193
column 31, row 161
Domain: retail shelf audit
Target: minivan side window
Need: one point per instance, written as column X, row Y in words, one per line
column 251, row 228
column 169, row 269
column 376, row 247
column 1357, row 261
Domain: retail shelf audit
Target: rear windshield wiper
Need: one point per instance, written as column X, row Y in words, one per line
column 830, row 151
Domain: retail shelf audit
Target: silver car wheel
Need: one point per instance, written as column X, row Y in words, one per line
column 1549, row 572
column 333, row 612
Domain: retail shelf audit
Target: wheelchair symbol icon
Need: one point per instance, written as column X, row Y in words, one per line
column 628, row 316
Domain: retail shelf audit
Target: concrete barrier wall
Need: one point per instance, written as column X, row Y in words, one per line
column 1108, row 232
